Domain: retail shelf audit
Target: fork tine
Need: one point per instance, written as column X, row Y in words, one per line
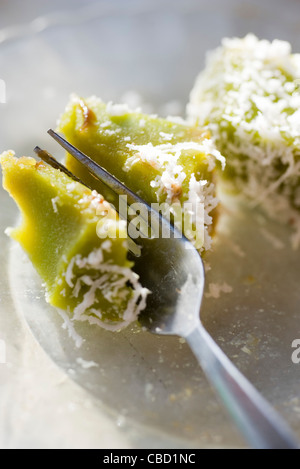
column 106, row 178
column 154, row 221
column 47, row 158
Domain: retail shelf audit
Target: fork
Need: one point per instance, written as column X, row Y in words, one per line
column 172, row 269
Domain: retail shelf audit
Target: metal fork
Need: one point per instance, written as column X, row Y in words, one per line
column 172, row 270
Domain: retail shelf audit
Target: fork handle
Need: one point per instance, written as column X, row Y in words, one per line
column 260, row 424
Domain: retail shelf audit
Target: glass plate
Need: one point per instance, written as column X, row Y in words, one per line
column 133, row 389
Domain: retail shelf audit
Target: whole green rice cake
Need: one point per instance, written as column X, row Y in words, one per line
column 248, row 96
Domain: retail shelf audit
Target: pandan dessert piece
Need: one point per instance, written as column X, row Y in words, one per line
column 166, row 161
column 76, row 242
column 248, row 97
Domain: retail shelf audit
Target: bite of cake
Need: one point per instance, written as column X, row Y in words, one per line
column 165, row 161
column 85, row 274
